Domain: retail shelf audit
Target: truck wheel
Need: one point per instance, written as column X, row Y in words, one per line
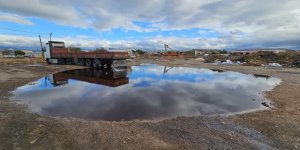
column 48, row 61
column 82, row 62
column 96, row 63
column 60, row 61
column 88, row 63
column 102, row 66
column 108, row 65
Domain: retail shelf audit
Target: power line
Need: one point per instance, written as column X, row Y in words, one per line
column 24, row 32
column 17, row 30
column 19, row 34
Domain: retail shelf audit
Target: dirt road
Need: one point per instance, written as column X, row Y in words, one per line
column 278, row 128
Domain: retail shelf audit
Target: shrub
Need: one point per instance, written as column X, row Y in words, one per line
column 19, row 53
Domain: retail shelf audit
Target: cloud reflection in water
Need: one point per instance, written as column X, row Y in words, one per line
column 150, row 93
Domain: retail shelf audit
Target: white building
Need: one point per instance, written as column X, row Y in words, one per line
column 8, row 54
column 247, row 52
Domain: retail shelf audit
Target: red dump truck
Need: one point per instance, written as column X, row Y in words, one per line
column 56, row 53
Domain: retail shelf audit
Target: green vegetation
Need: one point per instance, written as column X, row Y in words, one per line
column 256, row 59
column 19, row 53
column 138, row 51
column 215, row 57
column 219, row 52
column 74, row 49
column 101, row 49
column 190, row 53
column 223, row 52
column 289, row 59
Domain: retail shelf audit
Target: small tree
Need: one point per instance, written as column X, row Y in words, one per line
column 74, row 49
column 139, row 51
column 101, row 49
column 190, row 53
column 19, row 53
column 223, row 52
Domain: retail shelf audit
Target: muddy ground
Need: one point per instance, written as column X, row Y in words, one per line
column 278, row 128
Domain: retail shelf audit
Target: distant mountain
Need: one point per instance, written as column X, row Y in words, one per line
column 35, row 49
column 262, row 49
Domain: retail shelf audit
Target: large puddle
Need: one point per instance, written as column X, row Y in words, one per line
column 144, row 92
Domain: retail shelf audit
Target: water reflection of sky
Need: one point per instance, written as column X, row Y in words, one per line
column 150, row 93
column 41, row 84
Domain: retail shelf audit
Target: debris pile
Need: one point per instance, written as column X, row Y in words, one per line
column 272, row 65
column 227, row 62
column 261, row 58
column 200, row 59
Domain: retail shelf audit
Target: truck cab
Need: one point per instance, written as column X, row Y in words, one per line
column 52, row 46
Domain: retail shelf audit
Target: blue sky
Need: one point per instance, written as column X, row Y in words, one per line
column 44, row 28
column 182, row 24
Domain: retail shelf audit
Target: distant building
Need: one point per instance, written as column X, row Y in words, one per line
column 8, row 54
column 243, row 52
column 202, row 52
column 198, row 52
column 130, row 54
column 28, row 53
column 276, row 50
column 251, row 51
column 37, row 54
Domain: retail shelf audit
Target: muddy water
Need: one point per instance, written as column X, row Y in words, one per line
column 144, row 92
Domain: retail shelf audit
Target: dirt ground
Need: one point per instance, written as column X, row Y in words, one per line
column 278, row 128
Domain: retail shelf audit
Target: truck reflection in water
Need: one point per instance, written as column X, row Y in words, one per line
column 109, row 77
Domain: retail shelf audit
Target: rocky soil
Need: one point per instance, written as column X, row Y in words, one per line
column 278, row 128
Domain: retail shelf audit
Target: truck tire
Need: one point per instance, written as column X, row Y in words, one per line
column 48, row 61
column 82, row 62
column 96, row 63
column 60, row 61
column 108, row 64
column 88, row 63
column 102, row 66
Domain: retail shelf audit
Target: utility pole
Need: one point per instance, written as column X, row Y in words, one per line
column 41, row 42
column 50, row 35
column 42, row 50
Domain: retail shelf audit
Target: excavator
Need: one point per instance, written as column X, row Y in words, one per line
column 169, row 51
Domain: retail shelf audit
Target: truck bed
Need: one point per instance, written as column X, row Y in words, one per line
column 63, row 53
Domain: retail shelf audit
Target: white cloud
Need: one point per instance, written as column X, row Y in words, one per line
column 151, row 43
column 13, row 40
column 167, row 96
column 61, row 12
column 15, row 18
column 255, row 23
